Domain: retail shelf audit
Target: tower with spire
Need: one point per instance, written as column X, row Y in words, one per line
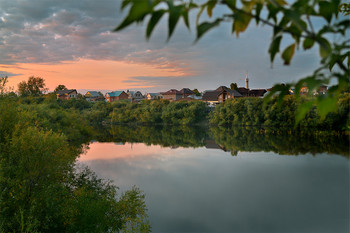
column 246, row 81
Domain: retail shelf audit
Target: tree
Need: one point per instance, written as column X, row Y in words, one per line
column 60, row 88
column 35, row 86
column 290, row 22
column 233, row 86
column 196, row 92
column 3, row 81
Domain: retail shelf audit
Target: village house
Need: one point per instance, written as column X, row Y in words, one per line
column 220, row 95
column 186, row 92
column 116, row 95
column 93, row 96
column 135, row 96
column 154, row 96
column 251, row 93
column 66, row 94
column 172, row 95
column 322, row 90
column 246, row 92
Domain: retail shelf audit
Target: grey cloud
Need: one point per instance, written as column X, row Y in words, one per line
column 8, row 74
column 54, row 31
column 76, row 26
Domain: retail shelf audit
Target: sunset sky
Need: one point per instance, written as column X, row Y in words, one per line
column 71, row 43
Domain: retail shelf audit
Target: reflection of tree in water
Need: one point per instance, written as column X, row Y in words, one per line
column 284, row 143
column 229, row 139
column 167, row 136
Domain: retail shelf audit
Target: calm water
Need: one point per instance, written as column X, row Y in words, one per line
column 207, row 189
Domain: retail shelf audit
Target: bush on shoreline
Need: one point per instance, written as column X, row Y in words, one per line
column 252, row 112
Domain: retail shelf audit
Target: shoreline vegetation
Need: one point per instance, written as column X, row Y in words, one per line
column 42, row 189
column 273, row 117
column 79, row 120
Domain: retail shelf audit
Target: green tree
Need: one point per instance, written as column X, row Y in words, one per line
column 41, row 189
column 233, row 86
column 60, row 88
column 3, row 81
column 35, row 86
column 289, row 22
column 196, row 92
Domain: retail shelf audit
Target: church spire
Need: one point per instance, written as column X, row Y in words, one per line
column 246, row 80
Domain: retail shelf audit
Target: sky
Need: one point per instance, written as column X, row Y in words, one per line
column 72, row 43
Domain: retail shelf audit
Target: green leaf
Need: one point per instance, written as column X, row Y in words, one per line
column 156, row 16
column 308, row 43
column 281, row 26
column 288, row 54
column 294, row 16
column 241, row 22
column 298, row 87
column 210, row 6
column 125, row 3
column 326, row 10
column 296, row 29
column 302, row 110
column 275, row 47
column 258, row 9
column 206, row 26
column 284, row 91
column 273, row 11
column 275, row 89
column 325, row 47
column 248, row 6
column 174, row 15
column 230, row 4
column 281, row 2
column 185, row 18
column 325, row 105
column 137, row 12
column 332, row 62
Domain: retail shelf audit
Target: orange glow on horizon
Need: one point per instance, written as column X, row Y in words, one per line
column 89, row 74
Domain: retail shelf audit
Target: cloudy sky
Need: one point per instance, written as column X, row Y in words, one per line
column 71, row 43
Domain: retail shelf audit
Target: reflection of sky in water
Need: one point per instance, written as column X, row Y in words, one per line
column 201, row 190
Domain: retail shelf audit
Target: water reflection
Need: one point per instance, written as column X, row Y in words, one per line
column 228, row 139
column 193, row 184
column 201, row 190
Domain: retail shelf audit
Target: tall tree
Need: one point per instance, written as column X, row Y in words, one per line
column 35, row 86
column 233, row 86
column 3, row 81
column 60, row 88
column 292, row 26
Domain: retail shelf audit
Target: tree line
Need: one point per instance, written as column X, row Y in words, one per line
column 249, row 111
column 256, row 112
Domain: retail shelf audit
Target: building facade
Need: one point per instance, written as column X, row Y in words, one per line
column 66, row 94
column 116, row 95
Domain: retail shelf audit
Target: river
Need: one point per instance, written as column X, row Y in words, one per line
column 202, row 184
